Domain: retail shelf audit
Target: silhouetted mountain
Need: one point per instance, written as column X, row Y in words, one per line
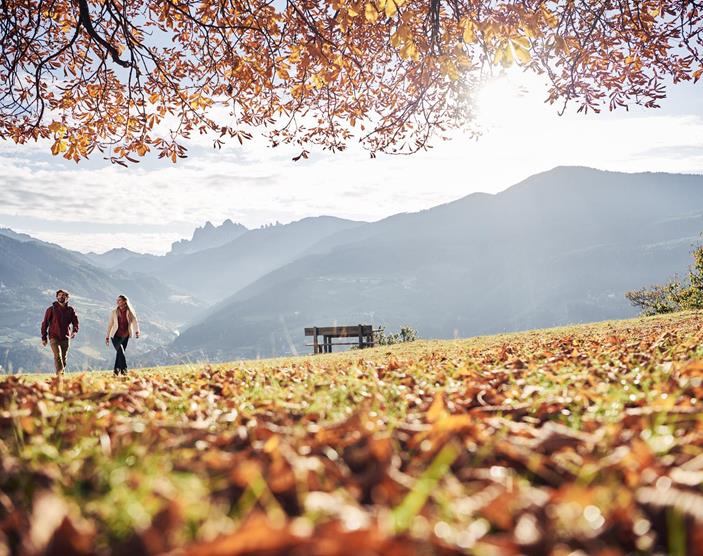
column 143, row 263
column 205, row 237
column 214, row 274
column 560, row 247
column 7, row 232
column 113, row 257
column 31, row 272
column 208, row 236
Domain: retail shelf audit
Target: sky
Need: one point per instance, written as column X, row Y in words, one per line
column 96, row 206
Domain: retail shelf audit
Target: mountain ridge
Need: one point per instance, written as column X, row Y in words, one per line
column 213, row 274
column 578, row 246
column 558, row 247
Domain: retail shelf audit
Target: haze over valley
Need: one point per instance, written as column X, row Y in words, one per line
column 560, row 247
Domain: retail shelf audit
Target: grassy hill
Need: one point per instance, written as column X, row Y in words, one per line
column 575, row 440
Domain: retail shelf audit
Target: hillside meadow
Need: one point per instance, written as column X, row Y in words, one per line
column 567, row 441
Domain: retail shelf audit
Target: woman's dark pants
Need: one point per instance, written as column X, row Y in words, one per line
column 120, row 344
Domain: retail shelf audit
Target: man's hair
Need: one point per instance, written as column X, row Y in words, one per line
column 62, row 291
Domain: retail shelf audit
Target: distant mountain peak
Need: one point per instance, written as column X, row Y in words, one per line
column 113, row 257
column 208, row 236
column 114, row 251
column 8, row 232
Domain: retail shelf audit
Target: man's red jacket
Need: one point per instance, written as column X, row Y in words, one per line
column 57, row 320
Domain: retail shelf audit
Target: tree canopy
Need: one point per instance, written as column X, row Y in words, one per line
column 129, row 77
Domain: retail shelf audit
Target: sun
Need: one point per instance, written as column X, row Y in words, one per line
column 509, row 99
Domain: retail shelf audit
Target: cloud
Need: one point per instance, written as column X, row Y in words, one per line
column 100, row 242
column 677, row 152
column 153, row 203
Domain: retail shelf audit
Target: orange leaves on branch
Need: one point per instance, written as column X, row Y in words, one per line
column 375, row 8
column 390, row 7
column 111, row 75
column 468, row 30
column 521, row 49
column 449, row 68
column 561, row 45
column 59, row 146
column 549, row 17
column 371, row 13
column 198, row 101
column 403, row 40
column 141, row 149
column 57, row 128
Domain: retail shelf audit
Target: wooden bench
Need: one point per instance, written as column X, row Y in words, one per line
column 364, row 333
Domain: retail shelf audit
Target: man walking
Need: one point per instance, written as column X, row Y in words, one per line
column 61, row 324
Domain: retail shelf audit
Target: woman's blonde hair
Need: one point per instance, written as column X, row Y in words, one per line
column 129, row 305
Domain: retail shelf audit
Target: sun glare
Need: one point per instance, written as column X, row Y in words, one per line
column 507, row 100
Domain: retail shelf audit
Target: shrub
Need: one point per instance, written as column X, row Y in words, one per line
column 674, row 295
column 406, row 334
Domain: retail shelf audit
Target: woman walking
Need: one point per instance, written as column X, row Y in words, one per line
column 123, row 320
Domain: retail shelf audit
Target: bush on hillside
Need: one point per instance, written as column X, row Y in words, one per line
column 406, row 334
column 675, row 295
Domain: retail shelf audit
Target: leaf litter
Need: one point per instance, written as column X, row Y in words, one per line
column 579, row 440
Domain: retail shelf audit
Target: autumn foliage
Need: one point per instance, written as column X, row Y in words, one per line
column 127, row 78
column 578, row 440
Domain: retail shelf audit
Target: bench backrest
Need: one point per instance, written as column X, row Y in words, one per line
column 341, row 331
